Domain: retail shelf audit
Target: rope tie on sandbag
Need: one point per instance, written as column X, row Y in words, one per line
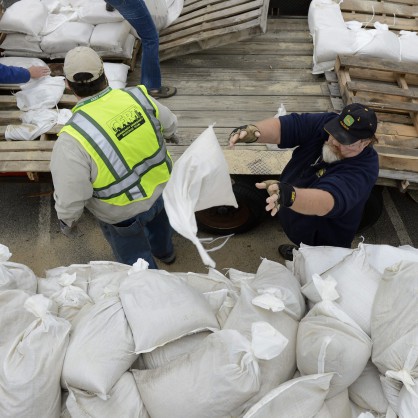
column 322, row 353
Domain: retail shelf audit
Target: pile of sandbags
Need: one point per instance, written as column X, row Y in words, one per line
column 332, row 335
column 50, row 28
column 333, row 36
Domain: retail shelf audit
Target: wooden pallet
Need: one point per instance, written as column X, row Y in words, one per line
column 31, row 157
column 205, row 24
column 391, row 89
column 398, row 14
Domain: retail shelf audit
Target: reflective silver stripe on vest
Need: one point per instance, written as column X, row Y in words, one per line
column 126, row 179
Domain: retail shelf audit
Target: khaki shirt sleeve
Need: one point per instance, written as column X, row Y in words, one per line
column 168, row 120
column 71, row 169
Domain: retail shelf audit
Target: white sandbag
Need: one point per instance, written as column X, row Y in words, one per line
column 409, row 46
column 22, row 61
column 282, row 367
column 221, row 302
column 24, row 16
column 49, row 285
column 222, row 370
column 101, row 348
column 175, row 8
column 329, row 340
column 110, row 37
column 356, row 286
column 43, row 93
column 384, row 44
column 17, row 276
column 36, row 122
column 95, row 14
column 168, row 352
column 277, row 284
column 66, row 37
column 70, row 299
column 124, row 401
column 199, row 180
column 308, row 260
column 324, row 14
column 408, row 401
column 30, row 376
column 394, row 325
column 21, row 42
column 54, row 6
column 210, row 282
column 159, row 12
column 391, row 389
column 339, row 405
column 54, row 21
column 367, row 391
column 297, row 398
column 158, row 306
column 14, row 318
column 116, row 74
column 330, row 42
column 105, row 274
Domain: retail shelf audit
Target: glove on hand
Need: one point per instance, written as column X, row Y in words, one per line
column 244, row 133
column 279, row 194
column 69, row 231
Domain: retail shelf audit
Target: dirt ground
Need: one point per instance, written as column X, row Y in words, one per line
column 30, row 229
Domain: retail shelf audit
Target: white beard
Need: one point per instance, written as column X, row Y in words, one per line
column 328, row 155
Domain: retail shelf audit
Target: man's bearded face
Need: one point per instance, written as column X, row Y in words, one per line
column 330, row 153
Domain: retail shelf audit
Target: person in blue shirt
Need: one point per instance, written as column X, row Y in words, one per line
column 16, row 75
column 324, row 187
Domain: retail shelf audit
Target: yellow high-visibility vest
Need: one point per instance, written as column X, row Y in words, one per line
column 121, row 132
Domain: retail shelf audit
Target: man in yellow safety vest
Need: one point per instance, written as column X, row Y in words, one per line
column 111, row 158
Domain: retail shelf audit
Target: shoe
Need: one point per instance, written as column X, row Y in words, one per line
column 170, row 259
column 109, row 8
column 163, row 92
column 286, row 251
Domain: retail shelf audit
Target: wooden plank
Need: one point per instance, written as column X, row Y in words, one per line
column 367, row 63
column 393, row 158
column 377, row 8
column 209, row 23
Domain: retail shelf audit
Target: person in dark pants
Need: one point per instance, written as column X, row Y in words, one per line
column 138, row 15
column 111, row 158
column 324, row 187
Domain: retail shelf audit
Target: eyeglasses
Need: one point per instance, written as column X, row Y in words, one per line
column 354, row 145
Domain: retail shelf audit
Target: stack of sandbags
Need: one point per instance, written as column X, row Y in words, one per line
column 148, row 343
column 333, row 36
column 48, row 29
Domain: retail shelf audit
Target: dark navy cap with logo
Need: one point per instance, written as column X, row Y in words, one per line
column 355, row 122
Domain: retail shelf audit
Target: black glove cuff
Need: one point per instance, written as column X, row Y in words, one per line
column 287, row 195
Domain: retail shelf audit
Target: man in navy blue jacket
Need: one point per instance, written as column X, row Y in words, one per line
column 324, row 187
column 16, row 75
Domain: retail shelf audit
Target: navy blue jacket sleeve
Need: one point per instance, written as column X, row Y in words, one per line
column 13, row 75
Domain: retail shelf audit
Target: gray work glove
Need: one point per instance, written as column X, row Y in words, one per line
column 244, row 133
column 69, row 231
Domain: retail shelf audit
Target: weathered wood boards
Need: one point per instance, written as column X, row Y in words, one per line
column 391, row 89
column 398, row 14
column 206, row 24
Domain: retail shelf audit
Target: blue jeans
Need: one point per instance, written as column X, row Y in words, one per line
column 145, row 235
column 137, row 14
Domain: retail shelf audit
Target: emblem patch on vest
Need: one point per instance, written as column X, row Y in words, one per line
column 126, row 122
